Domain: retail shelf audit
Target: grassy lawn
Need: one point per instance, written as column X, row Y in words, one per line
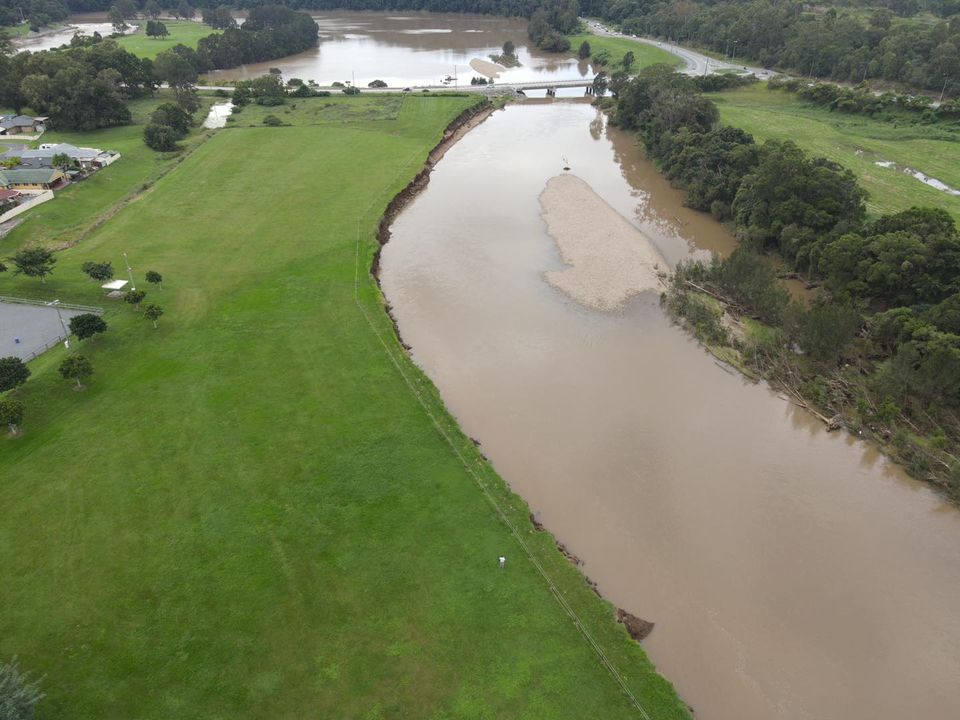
column 856, row 142
column 320, row 111
column 249, row 513
column 16, row 31
column 618, row 47
column 77, row 207
column 182, row 32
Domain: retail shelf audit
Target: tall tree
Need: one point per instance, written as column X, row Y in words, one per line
column 34, row 262
column 153, row 313
column 101, row 271
column 13, row 373
column 76, row 368
column 18, row 694
column 86, row 325
column 11, row 415
column 154, row 278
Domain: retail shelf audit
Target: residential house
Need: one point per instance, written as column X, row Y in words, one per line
column 32, row 179
column 88, row 159
column 21, row 125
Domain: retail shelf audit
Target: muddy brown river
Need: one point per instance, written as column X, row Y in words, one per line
column 791, row 573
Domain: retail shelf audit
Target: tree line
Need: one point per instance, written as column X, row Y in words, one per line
column 889, row 303
column 862, row 101
column 82, row 87
column 834, row 43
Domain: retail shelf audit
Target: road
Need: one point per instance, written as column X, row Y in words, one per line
column 696, row 63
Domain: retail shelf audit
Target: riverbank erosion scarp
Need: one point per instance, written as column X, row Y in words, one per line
column 609, row 260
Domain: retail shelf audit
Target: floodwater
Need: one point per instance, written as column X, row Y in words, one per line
column 791, row 573
column 917, row 175
column 217, row 117
column 80, row 24
column 413, row 49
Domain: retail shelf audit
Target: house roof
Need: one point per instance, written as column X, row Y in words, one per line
column 16, row 121
column 8, row 194
column 72, row 151
column 28, row 177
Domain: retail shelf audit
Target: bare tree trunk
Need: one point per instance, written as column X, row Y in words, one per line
column 78, row 383
column 154, row 324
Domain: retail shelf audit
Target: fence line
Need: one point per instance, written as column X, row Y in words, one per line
column 485, row 491
column 41, row 303
column 37, row 353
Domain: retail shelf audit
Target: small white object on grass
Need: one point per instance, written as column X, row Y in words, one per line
column 503, row 562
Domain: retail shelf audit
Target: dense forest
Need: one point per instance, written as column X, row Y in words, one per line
column 82, row 87
column 85, row 85
column 880, row 346
column 850, row 44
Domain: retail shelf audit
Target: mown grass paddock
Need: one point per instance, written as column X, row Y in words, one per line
column 261, row 509
column 856, row 142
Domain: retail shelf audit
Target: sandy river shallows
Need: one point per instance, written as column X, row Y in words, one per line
column 609, row 260
column 485, row 67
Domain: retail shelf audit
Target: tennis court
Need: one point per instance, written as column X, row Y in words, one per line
column 27, row 328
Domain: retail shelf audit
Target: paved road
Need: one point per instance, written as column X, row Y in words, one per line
column 696, row 63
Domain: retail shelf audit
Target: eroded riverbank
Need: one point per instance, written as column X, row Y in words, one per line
column 790, row 573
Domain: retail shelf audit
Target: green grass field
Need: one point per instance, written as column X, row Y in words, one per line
column 249, row 513
column 80, row 206
column 320, row 111
column 618, row 47
column 182, row 32
column 857, row 142
column 17, row 31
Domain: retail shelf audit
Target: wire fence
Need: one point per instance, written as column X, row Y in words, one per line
column 50, row 303
column 41, row 350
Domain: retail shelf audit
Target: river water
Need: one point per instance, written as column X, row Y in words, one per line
column 413, row 49
column 791, row 573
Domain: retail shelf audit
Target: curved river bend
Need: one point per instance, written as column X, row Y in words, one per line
column 791, row 573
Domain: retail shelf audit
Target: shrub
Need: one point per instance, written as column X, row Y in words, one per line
column 161, row 138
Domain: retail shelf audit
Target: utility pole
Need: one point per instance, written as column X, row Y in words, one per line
column 63, row 326
column 133, row 285
column 943, row 89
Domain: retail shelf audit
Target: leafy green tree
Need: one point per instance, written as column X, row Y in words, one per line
column 13, row 373
column 154, row 278
column 173, row 116
column 161, row 138
column 62, row 161
column 18, row 694
column 584, row 51
column 152, row 8
column 600, row 84
column 87, row 325
column 135, row 297
column 153, row 313
column 76, row 368
column 788, row 188
column 377, row 84
column 824, row 330
column 156, row 29
column 751, row 280
column 509, row 48
column 185, row 11
column 34, row 262
column 100, row 271
column 173, row 69
column 628, row 60
column 11, row 415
